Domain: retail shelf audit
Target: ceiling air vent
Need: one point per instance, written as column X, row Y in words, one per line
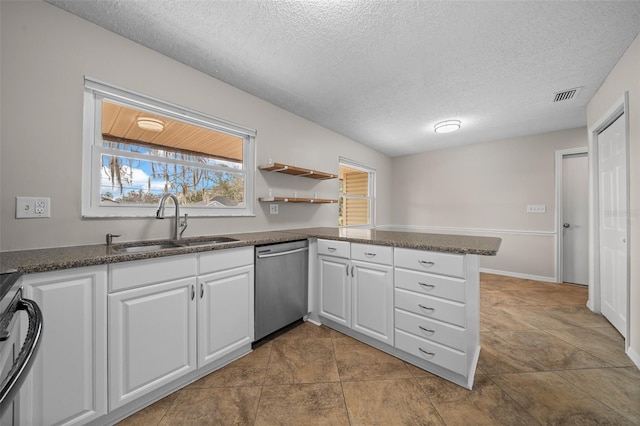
column 565, row 95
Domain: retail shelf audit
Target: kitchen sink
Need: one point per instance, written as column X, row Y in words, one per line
column 144, row 249
column 174, row 245
column 209, row 242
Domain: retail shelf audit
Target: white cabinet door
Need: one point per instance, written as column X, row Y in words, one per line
column 335, row 294
column 67, row 384
column 225, row 313
column 152, row 338
column 372, row 311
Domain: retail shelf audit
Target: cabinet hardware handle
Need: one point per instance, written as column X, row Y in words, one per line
column 201, row 290
column 427, row 308
column 429, row 286
column 426, row 330
column 426, row 352
column 331, row 249
column 425, row 263
column 368, row 254
column 352, row 268
column 347, row 271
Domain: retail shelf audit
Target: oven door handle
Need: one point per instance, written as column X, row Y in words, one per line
column 20, row 369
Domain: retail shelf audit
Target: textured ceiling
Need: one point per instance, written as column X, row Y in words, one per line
column 383, row 73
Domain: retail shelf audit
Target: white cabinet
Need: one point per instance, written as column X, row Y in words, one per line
column 373, row 300
column 152, row 335
column 225, row 304
column 335, row 289
column 172, row 316
column 354, row 293
column 437, row 312
column 67, row 384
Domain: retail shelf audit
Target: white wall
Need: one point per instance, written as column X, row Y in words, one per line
column 484, row 189
column 46, row 52
column 625, row 76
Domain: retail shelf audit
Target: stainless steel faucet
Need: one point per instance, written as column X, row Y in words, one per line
column 177, row 223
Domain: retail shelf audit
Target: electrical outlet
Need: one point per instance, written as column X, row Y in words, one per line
column 273, row 209
column 536, row 208
column 33, row 207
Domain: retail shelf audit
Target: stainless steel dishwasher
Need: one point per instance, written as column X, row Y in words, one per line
column 281, row 285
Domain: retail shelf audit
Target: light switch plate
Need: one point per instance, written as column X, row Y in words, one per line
column 536, row 208
column 33, row 207
column 273, row 209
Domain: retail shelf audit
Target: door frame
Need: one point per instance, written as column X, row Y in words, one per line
column 560, row 154
column 620, row 108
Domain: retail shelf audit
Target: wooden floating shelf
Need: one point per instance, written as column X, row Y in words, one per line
column 296, row 200
column 297, row 171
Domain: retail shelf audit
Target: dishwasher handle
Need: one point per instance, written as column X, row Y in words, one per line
column 20, row 369
column 282, row 253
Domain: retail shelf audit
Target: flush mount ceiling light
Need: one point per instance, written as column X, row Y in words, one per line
column 152, row 124
column 447, row 126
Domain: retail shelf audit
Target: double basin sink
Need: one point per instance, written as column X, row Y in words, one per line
column 143, row 248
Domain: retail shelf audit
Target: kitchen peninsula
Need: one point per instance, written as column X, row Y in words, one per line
column 412, row 295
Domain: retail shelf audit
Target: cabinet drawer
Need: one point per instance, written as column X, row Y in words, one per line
column 432, row 307
column 138, row 273
column 448, row 358
column 429, row 261
column 334, row 248
column 433, row 285
column 370, row 253
column 218, row 260
column 440, row 332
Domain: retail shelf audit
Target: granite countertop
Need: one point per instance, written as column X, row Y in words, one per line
column 42, row 260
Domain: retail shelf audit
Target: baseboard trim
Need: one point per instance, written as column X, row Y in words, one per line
column 519, row 275
column 634, row 356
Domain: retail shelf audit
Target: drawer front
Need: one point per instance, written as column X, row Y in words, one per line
column 448, row 358
column 126, row 275
column 429, row 261
column 432, row 307
column 440, row 332
column 371, row 253
column 334, row 248
column 433, row 285
column 218, row 260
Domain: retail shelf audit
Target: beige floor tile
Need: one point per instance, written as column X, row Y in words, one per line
column 306, row 330
column 486, row 404
column 603, row 342
column 357, row 361
column 499, row 356
column 548, row 352
column 552, row 400
column 618, row 388
column 258, row 358
column 230, row 376
column 302, row 404
column 389, row 402
column 217, row 406
column 301, row 361
column 500, row 318
column 153, row 414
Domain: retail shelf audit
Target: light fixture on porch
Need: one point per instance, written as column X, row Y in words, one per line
column 152, row 124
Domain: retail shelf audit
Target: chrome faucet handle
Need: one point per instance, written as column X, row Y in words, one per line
column 183, row 224
column 110, row 238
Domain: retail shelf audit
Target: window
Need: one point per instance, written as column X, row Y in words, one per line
column 357, row 194
column 137, row 148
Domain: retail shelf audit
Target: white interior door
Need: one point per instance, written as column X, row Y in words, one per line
column 612, row 171
column 575, row 218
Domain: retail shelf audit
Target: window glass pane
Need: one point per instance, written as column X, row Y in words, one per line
column 129, row 125
column 131, row 181
column 355, row 211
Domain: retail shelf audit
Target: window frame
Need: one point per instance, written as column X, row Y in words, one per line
column 371, row 190
column 92, row 150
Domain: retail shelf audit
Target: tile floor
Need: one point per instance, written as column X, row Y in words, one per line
column 545, row 359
